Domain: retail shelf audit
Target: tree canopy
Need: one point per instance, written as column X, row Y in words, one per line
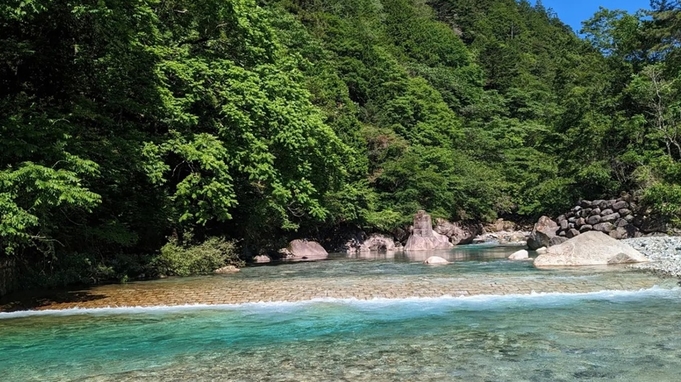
column 128, row 125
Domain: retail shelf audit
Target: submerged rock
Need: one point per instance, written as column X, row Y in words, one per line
column 226, row 270
column 435, row 260
column 520, row 255
column 423, row 238
column 589, row 248
column 304, row 250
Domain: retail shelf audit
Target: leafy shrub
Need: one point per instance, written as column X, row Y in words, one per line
column 181, row 260
column 665, row 200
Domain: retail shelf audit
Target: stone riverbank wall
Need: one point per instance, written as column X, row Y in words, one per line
column 620, row 218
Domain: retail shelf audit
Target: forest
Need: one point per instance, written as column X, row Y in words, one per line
column 153, row 137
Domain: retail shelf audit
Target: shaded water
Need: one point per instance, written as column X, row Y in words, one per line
column 610, row 335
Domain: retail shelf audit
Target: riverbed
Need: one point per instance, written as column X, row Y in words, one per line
column 382, row 317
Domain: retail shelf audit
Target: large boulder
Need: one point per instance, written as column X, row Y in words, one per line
column 304, row 250
column 589, row 248
column 543, row 232
column 458, row 232
column 376, row 243
column 423, row 238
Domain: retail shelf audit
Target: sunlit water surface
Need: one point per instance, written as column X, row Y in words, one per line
column 612, row 335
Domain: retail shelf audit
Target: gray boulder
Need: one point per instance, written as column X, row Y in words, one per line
column 604, row 227
column 619, row 233
column 572, row 233
column 564, row 224
column 594, row 219
column 621, row 222
column 423, row 238
column 610, row 217
column 542, row 233
column 301, row 249
column 589, row 248
column 620, row 205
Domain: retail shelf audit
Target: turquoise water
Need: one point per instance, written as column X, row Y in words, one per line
column 615, row 335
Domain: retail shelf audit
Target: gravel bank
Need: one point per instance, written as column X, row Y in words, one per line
column 664, row 253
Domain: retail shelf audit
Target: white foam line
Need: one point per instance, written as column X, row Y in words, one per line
column 654, row 291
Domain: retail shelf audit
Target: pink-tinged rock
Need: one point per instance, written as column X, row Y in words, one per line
column 300, row 249
column 423, row 238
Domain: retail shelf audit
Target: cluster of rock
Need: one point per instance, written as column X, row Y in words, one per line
column 619, row 218
column 591, row 247
column 422, row 236
column 615, row 217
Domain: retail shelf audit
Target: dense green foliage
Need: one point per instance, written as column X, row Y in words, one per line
column 178, row 260
column 125, row 123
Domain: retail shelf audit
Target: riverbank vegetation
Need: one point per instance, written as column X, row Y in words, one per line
column 126, row 126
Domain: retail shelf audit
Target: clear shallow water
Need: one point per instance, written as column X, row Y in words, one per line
column 626, row 336
column 623, row 336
